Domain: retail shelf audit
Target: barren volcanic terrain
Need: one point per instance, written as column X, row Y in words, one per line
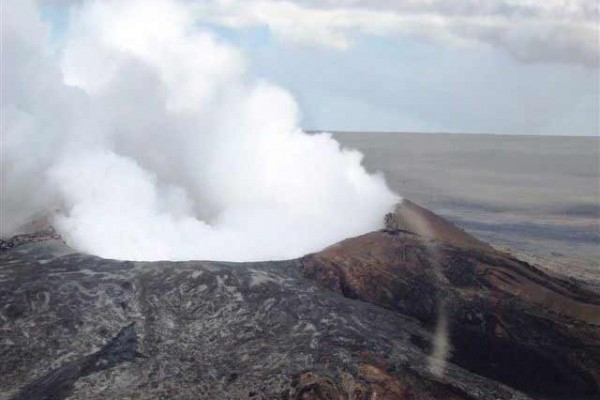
column 419, row 310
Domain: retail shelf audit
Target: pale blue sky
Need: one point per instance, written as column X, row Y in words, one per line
column 413, row 83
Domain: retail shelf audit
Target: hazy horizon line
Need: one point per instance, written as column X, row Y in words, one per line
column 343, row 131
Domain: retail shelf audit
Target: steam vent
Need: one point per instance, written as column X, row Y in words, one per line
column 419, row 310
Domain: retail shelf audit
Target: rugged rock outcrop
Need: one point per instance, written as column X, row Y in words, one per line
column 500, row 317
column 42, row 235
column 388, row 315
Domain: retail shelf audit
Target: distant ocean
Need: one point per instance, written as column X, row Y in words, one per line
column 536, row 194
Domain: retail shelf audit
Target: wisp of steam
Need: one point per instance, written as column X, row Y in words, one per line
column 142, row 136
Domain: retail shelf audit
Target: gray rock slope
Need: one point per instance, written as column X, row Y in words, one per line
column 81, row 327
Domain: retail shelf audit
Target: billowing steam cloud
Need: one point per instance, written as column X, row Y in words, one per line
column 147, row 140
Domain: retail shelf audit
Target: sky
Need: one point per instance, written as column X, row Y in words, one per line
column 500, row 66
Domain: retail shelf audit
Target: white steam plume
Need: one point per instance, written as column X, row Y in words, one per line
column 153, row 143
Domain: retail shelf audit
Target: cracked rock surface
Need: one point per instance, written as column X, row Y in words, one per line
column 359, row 320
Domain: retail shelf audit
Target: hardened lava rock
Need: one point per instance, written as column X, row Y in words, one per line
column 395, row 314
